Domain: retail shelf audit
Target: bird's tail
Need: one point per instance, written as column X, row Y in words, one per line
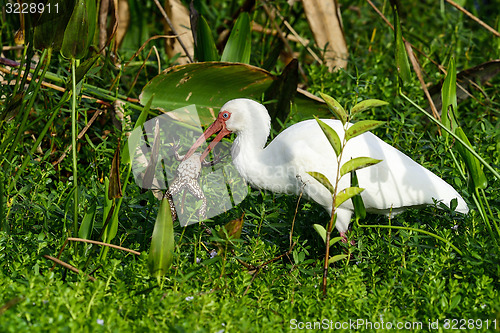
column 461, row 204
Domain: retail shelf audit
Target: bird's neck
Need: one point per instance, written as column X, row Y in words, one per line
column 248, row 155
column 247, row 148
column 258, row 165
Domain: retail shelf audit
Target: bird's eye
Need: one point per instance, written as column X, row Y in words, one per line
column 226, row 115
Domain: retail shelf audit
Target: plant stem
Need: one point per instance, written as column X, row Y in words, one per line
column 73, row 141
column 411, row 229
column 490, row 212
column 332, row 217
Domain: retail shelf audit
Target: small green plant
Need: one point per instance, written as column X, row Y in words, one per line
column 339, row 196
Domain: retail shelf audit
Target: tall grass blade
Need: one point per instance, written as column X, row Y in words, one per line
column 239, row 44
column 476, row 174
column 205, row 48
column 449, row 99
column 3, row 221
column 402, row 63
column 25, row 108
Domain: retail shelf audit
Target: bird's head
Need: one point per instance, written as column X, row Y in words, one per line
column 236, row 116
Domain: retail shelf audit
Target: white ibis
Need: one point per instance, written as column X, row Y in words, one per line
column 390, row 186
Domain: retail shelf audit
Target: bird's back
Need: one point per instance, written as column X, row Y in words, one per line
column 396, row 182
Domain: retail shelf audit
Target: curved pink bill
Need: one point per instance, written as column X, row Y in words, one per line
column 217, row 126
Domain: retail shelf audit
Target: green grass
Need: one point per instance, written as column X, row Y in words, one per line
column 394, row 276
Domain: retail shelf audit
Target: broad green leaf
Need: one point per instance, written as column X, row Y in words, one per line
column 455, row 300
column 357, row 200
column 331, row 135
column 335, row 240
column 402, row 64
column 322, row 179
column 449, row 99
column 205, row 49
column 110, row 232
column 337, row 258
column 347, row 194
column 80, row 30
column 357, row 163
column 322, row 233
column 49, row 29
column 476, row 173
column 365, row 105
column 87, row 223
column 361, row 127
column 133, row 140
column 335, row 107
column 161, row 253
column 209, row 85
column 239, row 46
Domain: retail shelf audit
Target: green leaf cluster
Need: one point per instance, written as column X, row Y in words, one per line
column 338, row 145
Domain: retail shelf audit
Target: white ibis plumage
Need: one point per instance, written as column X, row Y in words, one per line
column 390, row 186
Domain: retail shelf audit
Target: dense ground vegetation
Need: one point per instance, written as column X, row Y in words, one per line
column 391, row 276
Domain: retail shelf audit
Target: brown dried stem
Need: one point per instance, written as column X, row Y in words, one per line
column 165, row 16
column 80, row 135
column 68, row 266
column 415, row 64
column 469, row 14
column 103, row 244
